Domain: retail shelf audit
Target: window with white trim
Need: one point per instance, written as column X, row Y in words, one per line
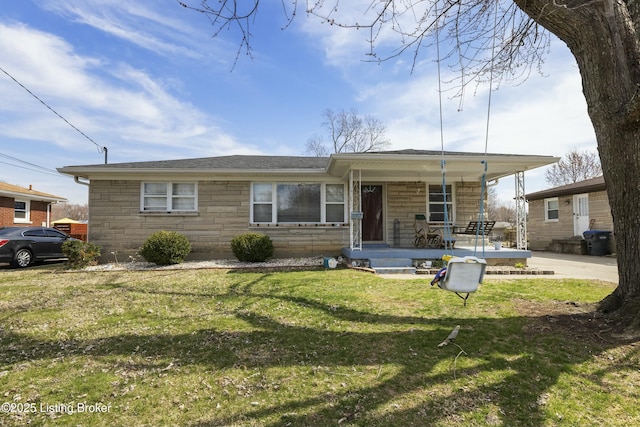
column 551, row 209
column 169, row 197
column 21, row 209
column 334, row 203
column 437, row 203
column 297, row 202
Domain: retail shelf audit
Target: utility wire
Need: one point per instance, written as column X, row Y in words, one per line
column 32, row 169
column 6, row 156
column 101, row 148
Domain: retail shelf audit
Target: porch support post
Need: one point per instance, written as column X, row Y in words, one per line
column 521, row 212
column 355, row 209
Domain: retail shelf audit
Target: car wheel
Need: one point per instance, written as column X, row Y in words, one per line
column 22, row 258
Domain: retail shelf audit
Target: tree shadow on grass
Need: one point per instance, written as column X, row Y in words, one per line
column 503, row 373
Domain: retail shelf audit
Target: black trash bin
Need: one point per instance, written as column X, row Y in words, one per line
column 597, row 242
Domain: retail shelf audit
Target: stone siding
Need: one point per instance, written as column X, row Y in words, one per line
column 600, row 211
column 119, row 228
column 117, row 225
column 467, row 196
column 406, row 199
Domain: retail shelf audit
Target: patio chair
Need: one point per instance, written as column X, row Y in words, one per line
column 425, row 237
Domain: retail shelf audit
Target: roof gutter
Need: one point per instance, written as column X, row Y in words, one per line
column 76, row 178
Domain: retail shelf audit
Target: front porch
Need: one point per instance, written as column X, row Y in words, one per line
column 387, row 259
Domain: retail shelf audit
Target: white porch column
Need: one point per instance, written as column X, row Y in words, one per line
column 355, row 209
column 521, row 212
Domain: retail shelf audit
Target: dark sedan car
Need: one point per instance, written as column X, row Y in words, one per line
column 22, row 246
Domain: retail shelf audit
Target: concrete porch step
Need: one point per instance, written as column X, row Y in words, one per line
column 395, row 270
column 392, row 265
column 390, row 262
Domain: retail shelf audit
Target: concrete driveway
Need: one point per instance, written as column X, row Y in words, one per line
column 574, row 266
column 564, row 266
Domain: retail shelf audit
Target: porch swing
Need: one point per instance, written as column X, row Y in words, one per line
column 463, row 275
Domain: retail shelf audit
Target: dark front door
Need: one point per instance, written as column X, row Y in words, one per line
column 372, row 210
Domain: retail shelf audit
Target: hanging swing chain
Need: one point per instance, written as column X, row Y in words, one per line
column 447, row 224
column 437, row 29
column 484, row 162
column 481, row 221
column 493, row 51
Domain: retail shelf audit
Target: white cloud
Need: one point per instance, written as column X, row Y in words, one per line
column 42, row 58
column 136, row 22
column 346, row 45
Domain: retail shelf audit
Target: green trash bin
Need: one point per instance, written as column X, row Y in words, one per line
column 597, row 242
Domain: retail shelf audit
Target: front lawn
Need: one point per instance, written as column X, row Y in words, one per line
column 306, row 348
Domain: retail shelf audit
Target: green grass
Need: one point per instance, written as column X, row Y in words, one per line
column 316, row 348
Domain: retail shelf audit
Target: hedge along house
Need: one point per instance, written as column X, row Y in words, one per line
column 559, row 216
column 309, row 206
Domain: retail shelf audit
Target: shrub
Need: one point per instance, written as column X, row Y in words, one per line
column 80, row 254
column 165, row 248
column 252, row 247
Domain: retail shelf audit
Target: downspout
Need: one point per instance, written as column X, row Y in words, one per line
column 77, row 180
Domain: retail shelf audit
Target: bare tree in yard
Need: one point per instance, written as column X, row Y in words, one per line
column 499, row 210
column 497, row 40
column 575, row 166
column 70, row 210
column 348, row 133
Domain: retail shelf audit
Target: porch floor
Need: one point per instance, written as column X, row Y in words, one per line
column 386, row 259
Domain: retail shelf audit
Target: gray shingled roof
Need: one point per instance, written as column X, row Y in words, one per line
column 251, row 162
column 226, row 162
column 586, row 186
column 397, row 163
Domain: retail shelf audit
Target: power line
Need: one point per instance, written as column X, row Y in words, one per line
column 6, row 156
column 101, row 148
column 32, row 169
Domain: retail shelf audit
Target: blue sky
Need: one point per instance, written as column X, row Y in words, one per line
column 147, row 80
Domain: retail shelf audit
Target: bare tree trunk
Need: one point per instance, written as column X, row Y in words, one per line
column 602, row 37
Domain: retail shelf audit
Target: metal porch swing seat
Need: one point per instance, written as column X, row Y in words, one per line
column 463, row 275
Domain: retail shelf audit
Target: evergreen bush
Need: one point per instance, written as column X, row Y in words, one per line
column 166, row 248
column 252, row 247
column 80, row 254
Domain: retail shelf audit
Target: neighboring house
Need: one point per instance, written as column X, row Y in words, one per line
column 309, row 206
column 559, row 216
column 25, row 206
